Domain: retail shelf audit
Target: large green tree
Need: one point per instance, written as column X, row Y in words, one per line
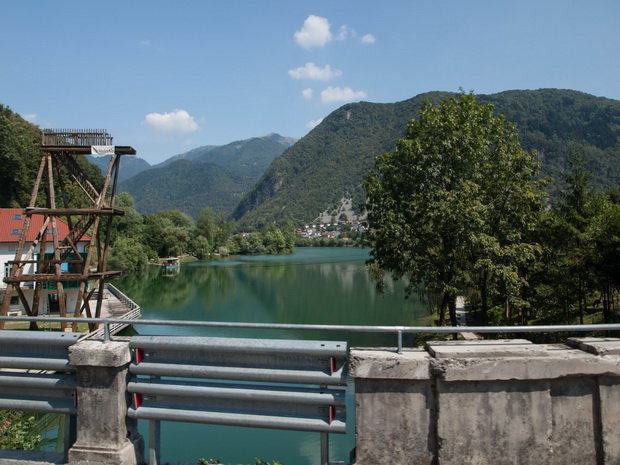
column 453, row 206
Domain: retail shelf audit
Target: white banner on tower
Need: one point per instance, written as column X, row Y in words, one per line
column 102, row 150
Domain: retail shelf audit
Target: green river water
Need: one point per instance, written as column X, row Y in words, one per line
column 311, row 286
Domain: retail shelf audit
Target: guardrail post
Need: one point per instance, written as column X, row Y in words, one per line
column 104, row 432
column 70, row 431
column 324, row 449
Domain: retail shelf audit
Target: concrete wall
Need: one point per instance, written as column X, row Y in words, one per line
column 489, row 402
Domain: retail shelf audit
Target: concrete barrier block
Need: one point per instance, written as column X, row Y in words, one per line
column 394, row 422
column 498, row 422
column 596, row 345
column 99, row 353
column 609, row 392
column 388, row 364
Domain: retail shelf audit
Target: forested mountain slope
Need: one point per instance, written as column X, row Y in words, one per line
column 250, row 157
column 208, row 176
column 188, row 186
column 330, row 162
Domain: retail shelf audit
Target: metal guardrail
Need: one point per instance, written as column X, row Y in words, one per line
column 36, row 376
column 260, row 383
column 11, row 359
column 398, row 331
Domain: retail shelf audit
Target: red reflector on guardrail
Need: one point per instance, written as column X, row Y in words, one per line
column 139, row 355
column 137, row 399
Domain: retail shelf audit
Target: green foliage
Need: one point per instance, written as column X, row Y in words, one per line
column 203, row 461
column 168, row 233
column 581, row 238
column 19, row 431
column 271, row 240
column 20, row 157
column 128, row 254
column 452, row 205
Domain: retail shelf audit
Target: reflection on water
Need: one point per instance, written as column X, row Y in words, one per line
column 312, row 286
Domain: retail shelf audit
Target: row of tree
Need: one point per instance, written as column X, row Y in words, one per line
column 137, row 239
column 457, row 209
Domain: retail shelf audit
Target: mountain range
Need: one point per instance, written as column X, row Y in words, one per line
column 321, row 174
column 213, row 176
column 279, row 179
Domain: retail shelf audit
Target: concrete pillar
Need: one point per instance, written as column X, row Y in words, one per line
column 105, row 435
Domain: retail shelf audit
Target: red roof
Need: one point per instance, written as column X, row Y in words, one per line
column 12, row 222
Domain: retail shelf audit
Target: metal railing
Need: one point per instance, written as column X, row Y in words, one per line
column 398, row 331
column 36, row 376
column 79, row 137
column 130, row 304
column 260, row 383
column 108, row 323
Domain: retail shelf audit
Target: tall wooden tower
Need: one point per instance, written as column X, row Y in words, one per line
column 47, row 267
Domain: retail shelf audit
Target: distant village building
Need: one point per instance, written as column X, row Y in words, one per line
column 11, row 225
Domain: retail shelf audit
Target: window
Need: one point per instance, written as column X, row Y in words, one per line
column 15, row 232
column 14, row 300
column 49, row 231
column 17, row 216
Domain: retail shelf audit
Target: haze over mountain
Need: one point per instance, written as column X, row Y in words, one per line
column 129, row 166
column 250, row 156
column 208, row 176
column 324, row 170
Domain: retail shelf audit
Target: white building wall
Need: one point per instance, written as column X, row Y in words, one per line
column 7, row 253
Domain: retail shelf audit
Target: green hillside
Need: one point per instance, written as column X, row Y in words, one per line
column 330, row 162
column 188, row 186
column 208, row 176
column 20, row 157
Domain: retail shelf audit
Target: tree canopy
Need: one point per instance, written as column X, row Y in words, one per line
column 452, row 207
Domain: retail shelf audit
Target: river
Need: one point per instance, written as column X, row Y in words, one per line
column 310, row 286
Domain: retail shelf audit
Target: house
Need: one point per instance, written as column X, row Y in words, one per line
column 11, row 225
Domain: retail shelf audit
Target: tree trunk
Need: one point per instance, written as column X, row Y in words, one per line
column 451, row 301
column 483, row 298
column 441, row 299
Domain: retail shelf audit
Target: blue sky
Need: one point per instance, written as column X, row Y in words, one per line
column 166, row 77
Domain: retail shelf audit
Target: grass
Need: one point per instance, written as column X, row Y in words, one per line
column 25, row 325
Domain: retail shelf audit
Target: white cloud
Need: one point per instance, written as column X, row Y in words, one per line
column 145, row 43
column 178, row 121
column 341, row 94
column 314, row 33
column 30, row 117
column 312, row 71
column 314, row 123
column 307, row 93
column 368, row 39
column 345, row 32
